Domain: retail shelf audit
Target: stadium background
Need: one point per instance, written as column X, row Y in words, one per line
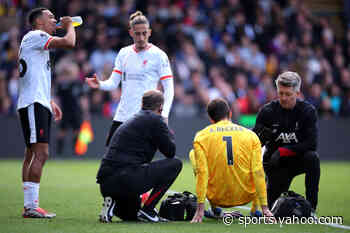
column 229, row 48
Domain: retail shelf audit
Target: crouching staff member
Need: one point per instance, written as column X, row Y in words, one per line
column 126, row 170
column 288, row 128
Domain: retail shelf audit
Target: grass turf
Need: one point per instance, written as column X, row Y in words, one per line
column 68, row 188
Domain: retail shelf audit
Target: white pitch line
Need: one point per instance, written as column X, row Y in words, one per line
column 248, row 208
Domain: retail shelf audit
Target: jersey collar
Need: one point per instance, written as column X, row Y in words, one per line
column 149, row 45
column 223, row 122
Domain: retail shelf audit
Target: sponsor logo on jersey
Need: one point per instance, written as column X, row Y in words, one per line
column 138, row 77
column 287, row 138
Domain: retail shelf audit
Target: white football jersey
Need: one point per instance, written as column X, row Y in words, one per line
column 35, row 70
column 139, row 71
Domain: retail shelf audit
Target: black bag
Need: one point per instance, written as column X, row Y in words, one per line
column 291, row 204
column 179, row 206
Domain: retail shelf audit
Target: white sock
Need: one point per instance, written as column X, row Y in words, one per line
column 35, row 194
column 27, row 194
column 31, row 194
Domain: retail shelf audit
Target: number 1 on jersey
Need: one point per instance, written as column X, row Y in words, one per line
column 229, row 149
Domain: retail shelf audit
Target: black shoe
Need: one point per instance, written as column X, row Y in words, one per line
column 150, row 216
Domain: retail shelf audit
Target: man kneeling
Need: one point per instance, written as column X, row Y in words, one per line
column 227, row 164
column 126, row 170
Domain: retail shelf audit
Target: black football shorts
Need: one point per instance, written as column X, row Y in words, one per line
column 36, row 123
column 113, row 128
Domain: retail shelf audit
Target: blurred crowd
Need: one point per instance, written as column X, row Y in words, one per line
column 217, row 48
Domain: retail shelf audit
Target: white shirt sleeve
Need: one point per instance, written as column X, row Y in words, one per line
column 168, row 86
column 164, row 67
column 167, row 81
column 40, row 40
column 114, row 79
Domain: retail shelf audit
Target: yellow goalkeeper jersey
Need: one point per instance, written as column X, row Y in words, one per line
column 228, row 166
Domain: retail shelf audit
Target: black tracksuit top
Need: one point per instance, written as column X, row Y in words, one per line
column 295, row 129
column 136, row 140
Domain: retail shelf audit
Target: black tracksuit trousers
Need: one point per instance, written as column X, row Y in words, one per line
column 280, row 178
column 125, row 185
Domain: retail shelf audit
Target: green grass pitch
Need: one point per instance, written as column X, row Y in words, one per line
column 68, row 188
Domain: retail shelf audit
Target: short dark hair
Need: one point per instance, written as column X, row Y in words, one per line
column 218, row 109
column 152, row 100
column 34, row 14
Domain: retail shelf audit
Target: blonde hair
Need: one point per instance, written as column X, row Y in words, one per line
column 137, row 18
column 289, row 79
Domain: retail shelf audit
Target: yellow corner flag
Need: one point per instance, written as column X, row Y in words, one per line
column 86, row 135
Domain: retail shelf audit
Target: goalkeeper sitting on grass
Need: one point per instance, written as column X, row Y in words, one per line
column 227, row 164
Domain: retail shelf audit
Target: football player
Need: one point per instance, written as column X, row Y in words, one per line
column 138, row 67
column 227, row 163
column 35, row 106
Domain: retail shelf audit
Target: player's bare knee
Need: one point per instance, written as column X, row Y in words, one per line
column 27, row 159
column 41, row 155
column 41, row 151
